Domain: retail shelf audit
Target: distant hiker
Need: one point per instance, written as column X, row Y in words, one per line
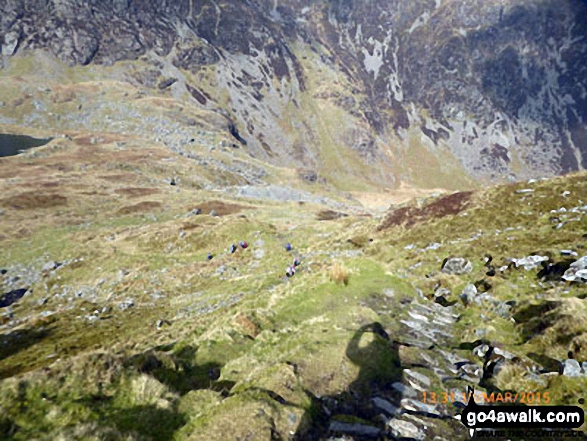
column 232, row 248
column 209, row 256
column 243, row 245
column 296, row 263
column 288, row 246
column 290, row 271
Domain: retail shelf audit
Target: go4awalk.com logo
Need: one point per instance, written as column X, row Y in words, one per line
column 475, row 416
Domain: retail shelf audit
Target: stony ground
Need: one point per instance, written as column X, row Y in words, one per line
column 128, row 331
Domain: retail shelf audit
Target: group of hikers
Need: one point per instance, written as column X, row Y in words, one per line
column 289, row 271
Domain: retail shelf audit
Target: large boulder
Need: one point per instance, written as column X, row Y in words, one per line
column 577, row 272
column 456, row 265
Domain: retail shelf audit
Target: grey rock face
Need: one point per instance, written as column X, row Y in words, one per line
column 468, row 91
column 457, row 265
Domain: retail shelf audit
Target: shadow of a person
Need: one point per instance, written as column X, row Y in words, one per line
column 378, row 360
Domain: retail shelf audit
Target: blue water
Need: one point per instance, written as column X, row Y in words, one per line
column 11, row 145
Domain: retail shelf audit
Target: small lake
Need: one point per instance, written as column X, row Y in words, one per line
column 11, row 145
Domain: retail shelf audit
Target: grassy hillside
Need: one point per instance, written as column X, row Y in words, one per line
column 138, row 336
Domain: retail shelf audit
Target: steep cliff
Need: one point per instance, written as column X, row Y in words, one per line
column 363, row 93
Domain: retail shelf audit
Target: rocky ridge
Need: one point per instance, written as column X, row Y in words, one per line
column 502, row 93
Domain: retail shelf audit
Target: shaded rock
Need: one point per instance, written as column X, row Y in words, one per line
column 194, row 212
column 406, row 391
column 456, row 265
column 356, row 429
column 554, row 271
column 443, row 301
column 494, row 364
column 10, row 297
column 548, row 364
column 165, row 83
column 482, row 286
column 385, row 406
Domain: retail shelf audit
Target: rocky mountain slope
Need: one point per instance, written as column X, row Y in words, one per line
column 434, row 93
column 367, row 134
column 128, row 331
